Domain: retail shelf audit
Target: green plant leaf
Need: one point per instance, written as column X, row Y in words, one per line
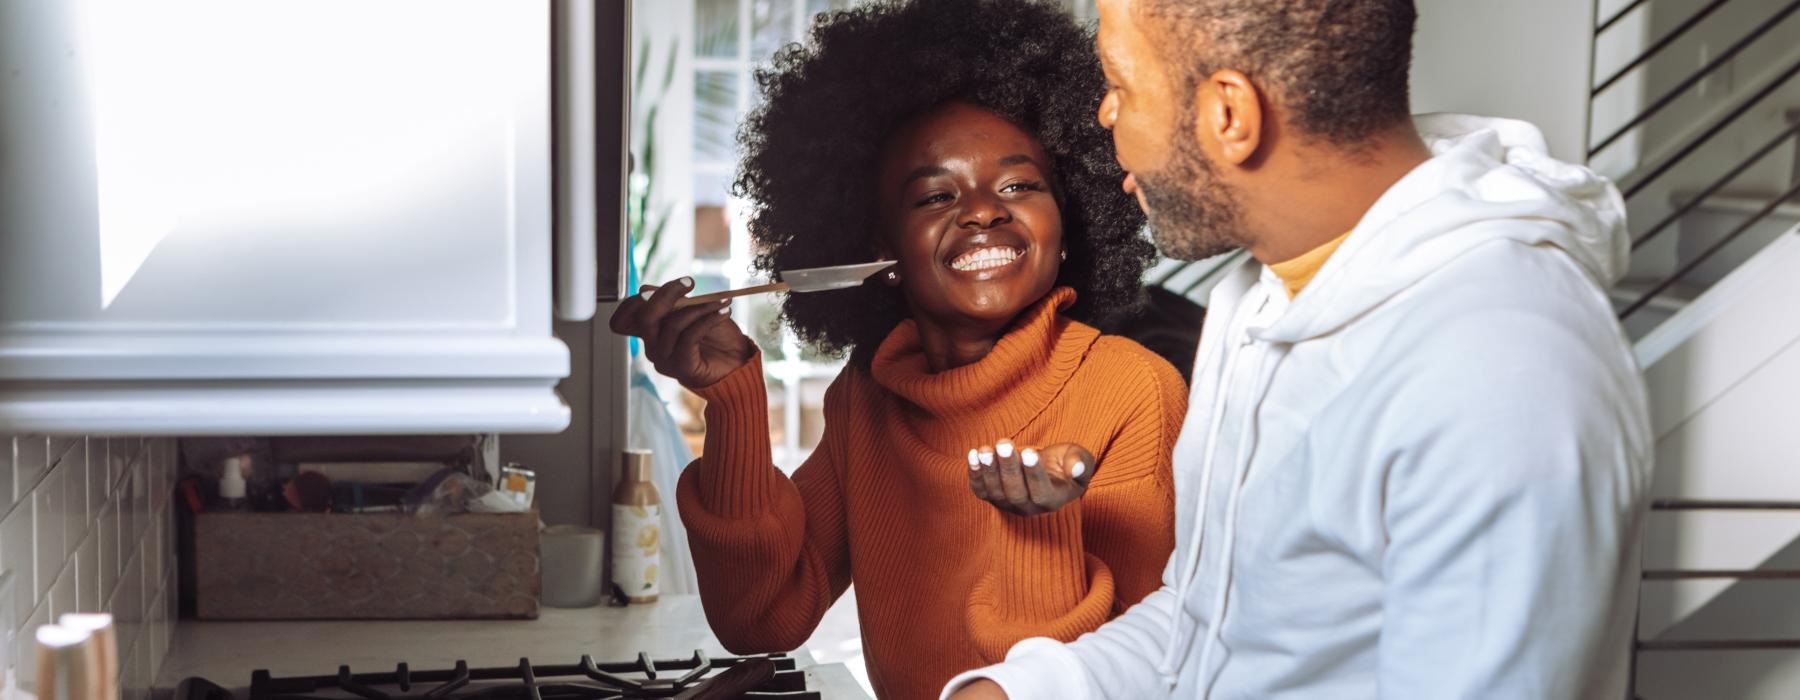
column 669, row 68
column 655, row 237
column 637, row 80
column 650, row 140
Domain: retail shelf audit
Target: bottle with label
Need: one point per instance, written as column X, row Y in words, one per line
column 637, row 530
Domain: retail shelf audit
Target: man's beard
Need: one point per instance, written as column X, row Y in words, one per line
column 1192, row 214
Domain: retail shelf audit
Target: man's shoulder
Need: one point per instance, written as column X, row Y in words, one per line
column 1506, row 294
column 1505, row 317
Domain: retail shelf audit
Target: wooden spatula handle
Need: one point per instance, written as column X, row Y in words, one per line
column 732, row 294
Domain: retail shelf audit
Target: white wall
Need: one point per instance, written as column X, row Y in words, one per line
column 1722, row 376
column 1524, row 59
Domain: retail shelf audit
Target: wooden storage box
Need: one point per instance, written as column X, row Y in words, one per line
column 310, row 566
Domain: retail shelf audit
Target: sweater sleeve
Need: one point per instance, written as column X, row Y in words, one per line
column 1062, row 574
column 770, row 552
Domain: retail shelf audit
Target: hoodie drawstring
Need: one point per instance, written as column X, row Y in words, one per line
column 1239, row 474
column 1177, row 646
column 1179, row 643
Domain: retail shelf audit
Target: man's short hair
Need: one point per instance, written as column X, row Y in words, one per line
column 1338, row 68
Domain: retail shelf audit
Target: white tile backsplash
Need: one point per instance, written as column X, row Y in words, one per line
column 139, row 495
column 18, row 551
column 33, row 455
column 86, row 525
column 160, row 623
column 62, row 593
column 77, row 519
column 106, row 530
column 154, row 553
column 24, row 642
column 9, row 624
column 47, row 528
column 87, row 567
column 7, row 446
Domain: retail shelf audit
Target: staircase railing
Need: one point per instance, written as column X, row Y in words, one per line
column 1171, row 279
column 1641, row 183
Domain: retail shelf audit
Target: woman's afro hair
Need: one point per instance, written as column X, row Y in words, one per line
column 811, row 151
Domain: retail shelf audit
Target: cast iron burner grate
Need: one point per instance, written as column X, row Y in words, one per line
column 643, row 679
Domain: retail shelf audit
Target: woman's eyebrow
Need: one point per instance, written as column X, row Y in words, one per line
column 924, row 171
column 1020, row 159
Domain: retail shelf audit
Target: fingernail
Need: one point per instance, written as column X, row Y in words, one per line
column 725, row 311
column 1003, row 448
column 1029, row 457
column 974, row 460
column 987, row 458
column 1077, row 470
column 687, row 281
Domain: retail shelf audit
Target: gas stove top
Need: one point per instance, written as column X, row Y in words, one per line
column 698, row 677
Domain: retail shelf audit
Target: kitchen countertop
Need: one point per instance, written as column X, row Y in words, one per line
column 227, row 652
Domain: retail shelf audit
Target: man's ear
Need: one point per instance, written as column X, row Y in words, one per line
column 1230, row 116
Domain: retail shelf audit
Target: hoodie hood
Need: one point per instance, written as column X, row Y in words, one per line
column 1488, row 180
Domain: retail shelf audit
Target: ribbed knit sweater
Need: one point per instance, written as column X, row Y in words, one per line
column 945, row 582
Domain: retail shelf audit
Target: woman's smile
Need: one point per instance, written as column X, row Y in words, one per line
column 986, row 259
column 988, row 254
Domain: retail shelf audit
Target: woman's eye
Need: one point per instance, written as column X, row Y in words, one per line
column 934, row 198
column 1023, row 187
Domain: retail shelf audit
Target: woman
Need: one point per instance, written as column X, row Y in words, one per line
column 957, row 138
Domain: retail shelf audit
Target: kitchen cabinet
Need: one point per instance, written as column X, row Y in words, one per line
column 302, row 217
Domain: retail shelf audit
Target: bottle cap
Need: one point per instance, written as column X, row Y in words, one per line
column 231, row 479
column 636, row 466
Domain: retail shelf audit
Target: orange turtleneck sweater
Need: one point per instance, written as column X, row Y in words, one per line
column 945, row 582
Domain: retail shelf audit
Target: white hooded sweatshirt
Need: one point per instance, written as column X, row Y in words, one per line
column 1423, row 477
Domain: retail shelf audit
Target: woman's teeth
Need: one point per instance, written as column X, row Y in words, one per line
column 985, row 259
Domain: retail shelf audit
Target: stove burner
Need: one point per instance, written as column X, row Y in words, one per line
column 644, row 679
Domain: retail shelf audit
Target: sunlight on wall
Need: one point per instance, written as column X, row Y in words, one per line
column 271, row 117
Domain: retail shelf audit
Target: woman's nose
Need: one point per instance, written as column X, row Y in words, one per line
column 984, row 211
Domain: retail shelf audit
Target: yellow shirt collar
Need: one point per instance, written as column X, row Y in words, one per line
column 1298, row 272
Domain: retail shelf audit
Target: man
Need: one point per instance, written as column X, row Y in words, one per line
column 1417, row 452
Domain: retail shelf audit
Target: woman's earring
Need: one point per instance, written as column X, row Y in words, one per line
column 892, row 277
column 1065, row 255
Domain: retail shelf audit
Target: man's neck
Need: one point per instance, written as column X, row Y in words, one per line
column 1325, row 191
